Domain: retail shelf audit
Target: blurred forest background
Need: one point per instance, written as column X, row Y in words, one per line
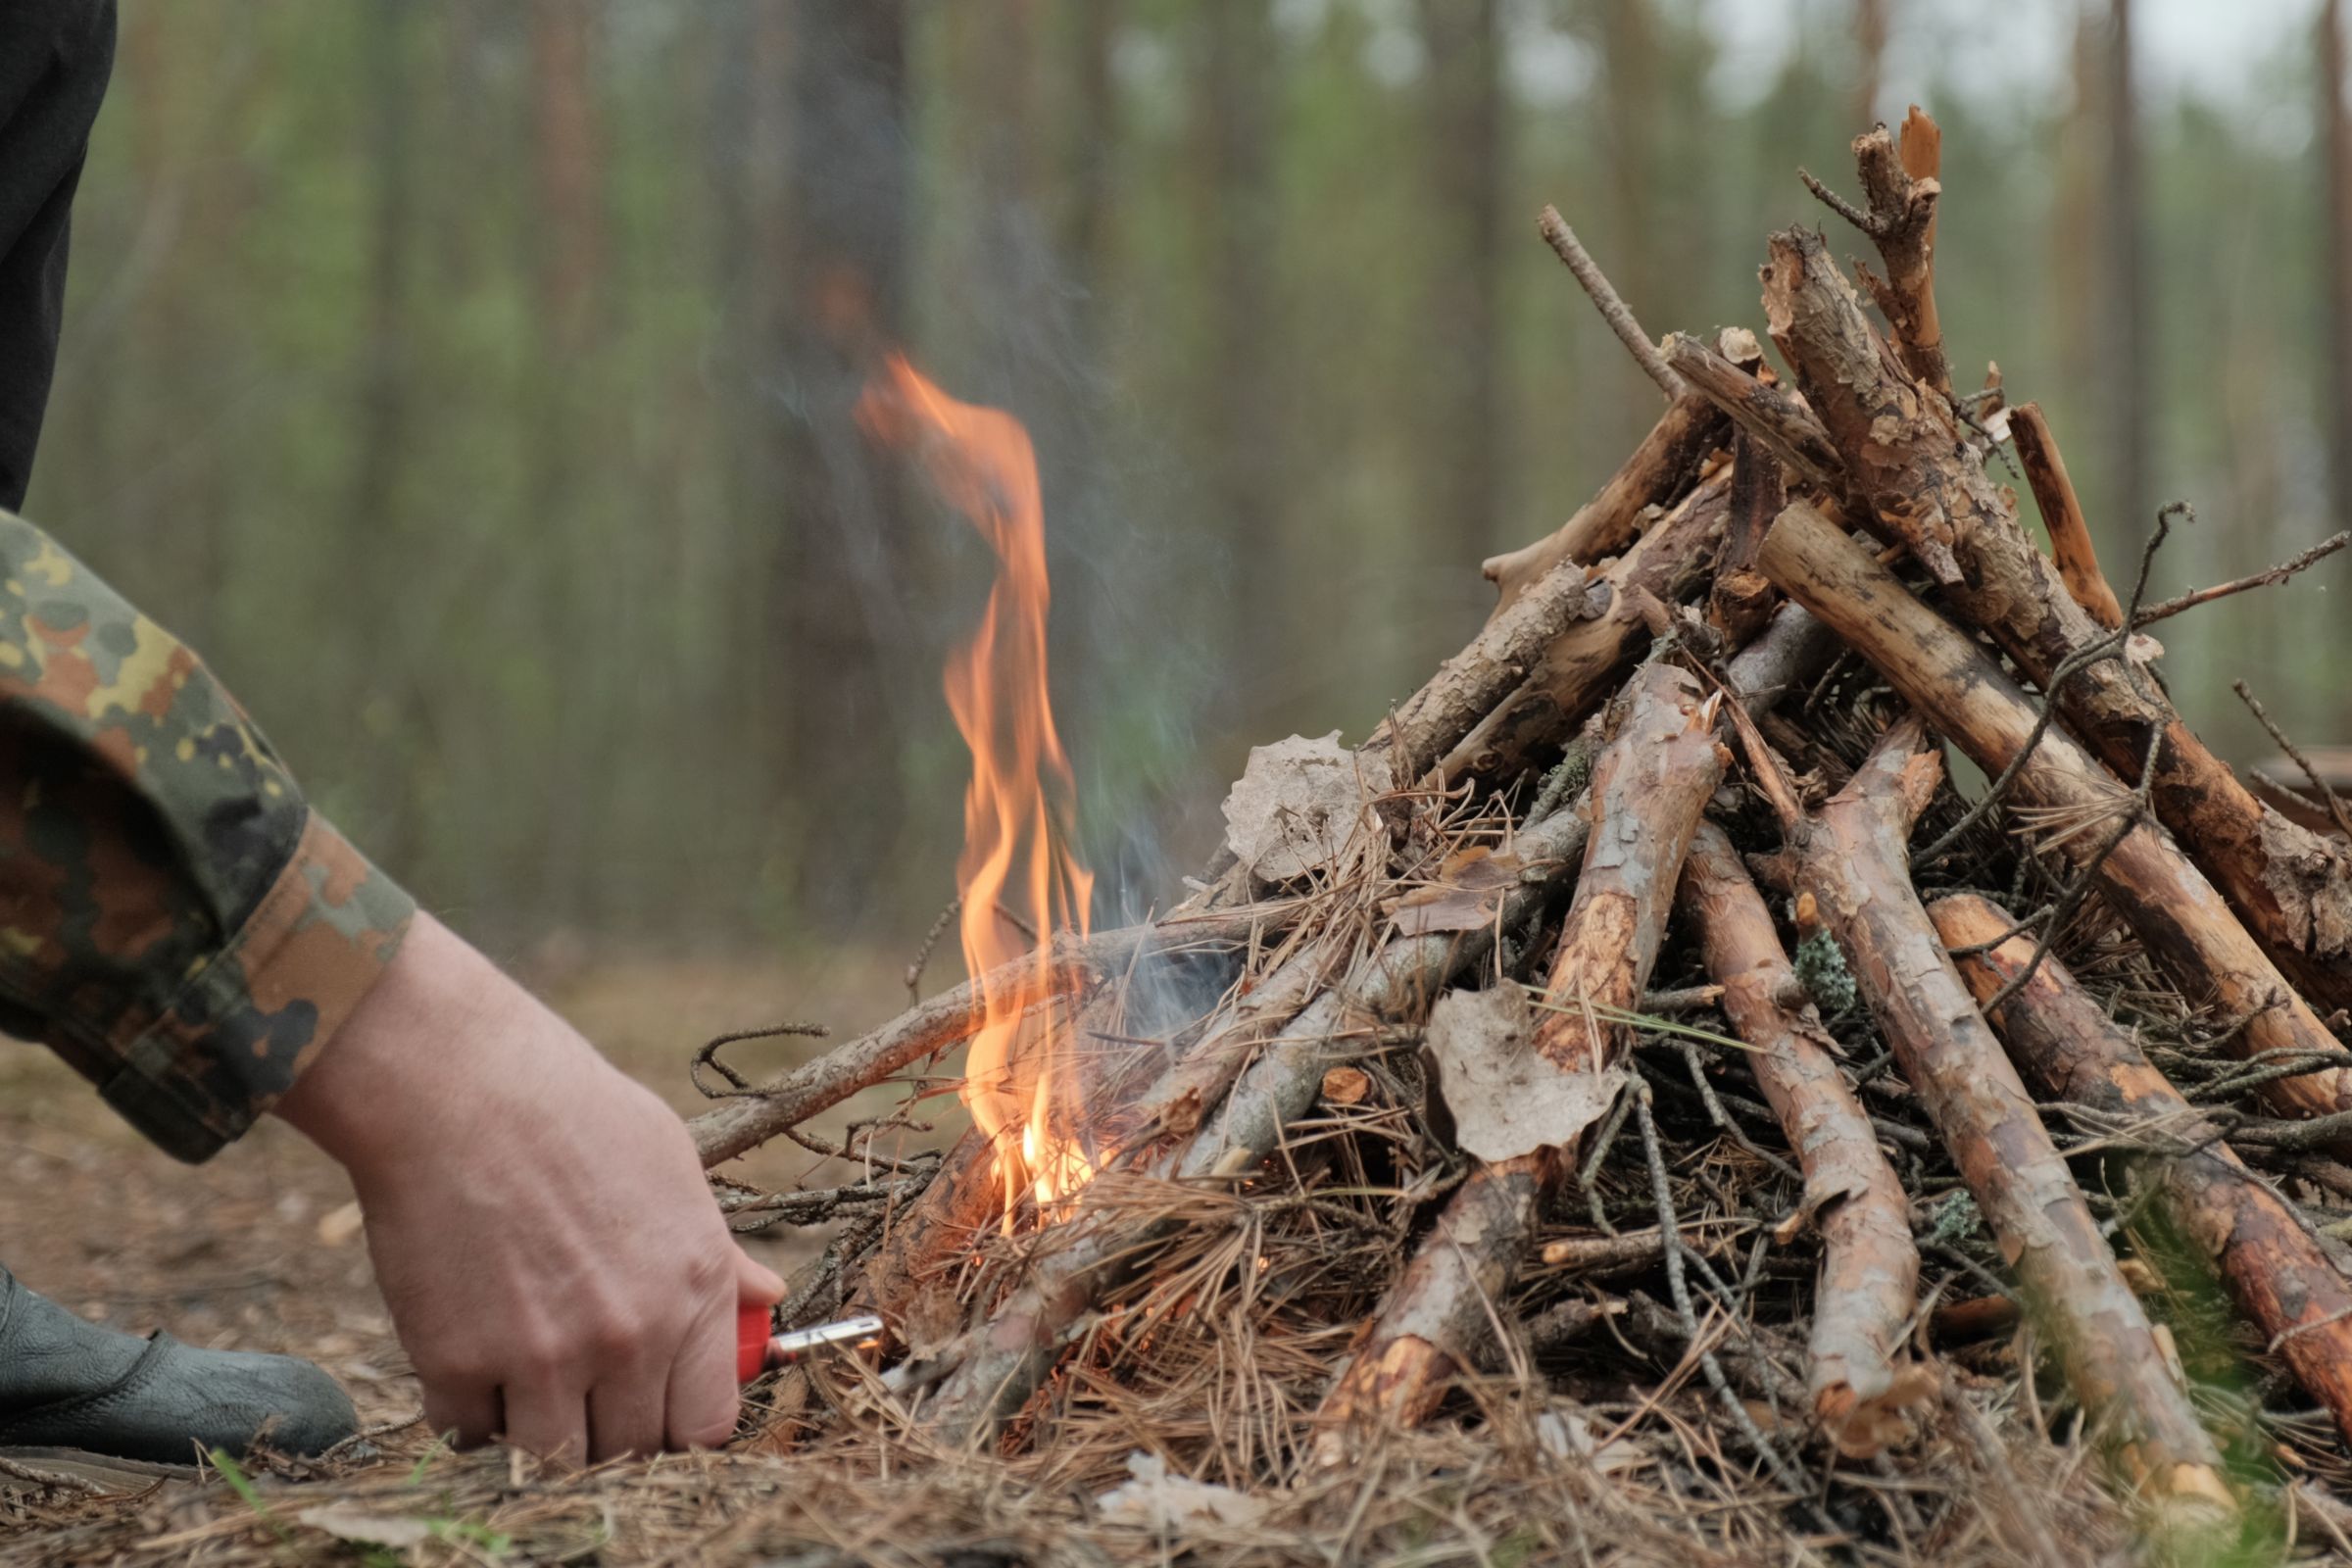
column 466, row 378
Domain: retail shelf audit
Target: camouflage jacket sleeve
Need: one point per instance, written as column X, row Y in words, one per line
column 174, row 919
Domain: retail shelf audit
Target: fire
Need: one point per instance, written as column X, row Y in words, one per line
column 1017, row 863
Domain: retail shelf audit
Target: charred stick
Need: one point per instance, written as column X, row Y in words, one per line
column 1741, row 598
column 2143, row 876
column 1869, row 1280
column 1649, row 789
column 1852, row 863
column 2068, row 1046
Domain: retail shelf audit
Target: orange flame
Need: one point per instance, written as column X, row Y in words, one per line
column 1017, row 860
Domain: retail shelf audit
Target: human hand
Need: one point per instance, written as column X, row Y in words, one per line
column 556, row 1267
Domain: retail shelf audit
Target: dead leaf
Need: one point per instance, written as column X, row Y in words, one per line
column 1158, row 1501
column 1470, row 888
column 348, row 1522
column 1507, row 1099
column 1299, row 804
column 1346, row 1085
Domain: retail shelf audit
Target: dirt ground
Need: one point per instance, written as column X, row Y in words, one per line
column 260, row 1248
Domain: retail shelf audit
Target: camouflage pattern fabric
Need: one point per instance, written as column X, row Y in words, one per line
column 174, row 919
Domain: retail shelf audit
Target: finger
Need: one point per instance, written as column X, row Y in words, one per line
column 467, row 1415
column 548, row 1419
column 755, row 1283
column 625, row 1415
column 702, row 1395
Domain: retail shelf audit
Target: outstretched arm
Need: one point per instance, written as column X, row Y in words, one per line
column 179, row 924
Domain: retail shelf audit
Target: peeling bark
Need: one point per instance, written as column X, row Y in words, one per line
column 1659, row 470
column 1868, row 1284
column 1581, row 667
column 1649, row 789
column 1853, row 864
column 2178, row 915
column 1911, row 461
column 2272, row 1264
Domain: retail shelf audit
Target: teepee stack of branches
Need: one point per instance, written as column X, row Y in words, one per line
column 1639, row 1030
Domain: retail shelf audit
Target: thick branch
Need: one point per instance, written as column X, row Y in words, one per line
column 1649, row 789
column 1853, row 864
column 2070, row 1050
column 1869, row 1280
column 1910, row 460
column 2142, row 876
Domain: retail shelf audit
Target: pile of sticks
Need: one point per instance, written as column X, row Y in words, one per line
column 1467, row 1111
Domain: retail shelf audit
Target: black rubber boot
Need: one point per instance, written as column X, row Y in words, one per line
column 77, row 1397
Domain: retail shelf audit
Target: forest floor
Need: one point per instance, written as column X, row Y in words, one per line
column 260, row 1250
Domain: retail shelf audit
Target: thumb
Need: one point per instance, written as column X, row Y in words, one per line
column 754, row 1283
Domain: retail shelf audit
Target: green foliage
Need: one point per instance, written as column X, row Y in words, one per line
column 442, row 396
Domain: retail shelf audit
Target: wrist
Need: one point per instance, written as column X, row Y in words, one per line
column 384, row 1088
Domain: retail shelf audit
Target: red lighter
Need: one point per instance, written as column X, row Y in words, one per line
column 758, row 1347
